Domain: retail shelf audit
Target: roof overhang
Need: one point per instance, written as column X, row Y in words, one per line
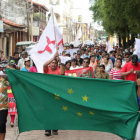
column 11, row 23
column 38, row 4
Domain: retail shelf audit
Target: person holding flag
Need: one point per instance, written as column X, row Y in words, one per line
column 45, row 53
column 50, row 42
column 51, row 67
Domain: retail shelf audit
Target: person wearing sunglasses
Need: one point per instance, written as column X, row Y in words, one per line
column 86, row 62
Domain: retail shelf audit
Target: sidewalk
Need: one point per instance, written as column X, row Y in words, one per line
column 63, row 135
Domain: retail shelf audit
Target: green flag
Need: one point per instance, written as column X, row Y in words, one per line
column 67, row 103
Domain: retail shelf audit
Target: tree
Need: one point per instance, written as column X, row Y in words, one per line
column 121, row 17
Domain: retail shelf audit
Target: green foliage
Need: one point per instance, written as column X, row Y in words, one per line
column 36, row 16
column 117, row 16
column 133, row 15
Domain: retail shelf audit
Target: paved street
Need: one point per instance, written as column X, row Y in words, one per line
column 63, row 135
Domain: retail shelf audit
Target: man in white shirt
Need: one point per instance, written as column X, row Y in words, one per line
column 22, row 60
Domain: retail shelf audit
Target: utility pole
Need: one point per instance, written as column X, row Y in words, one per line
column 31, row 20
column 29, row 6
column 28, row 24
column 0, row 11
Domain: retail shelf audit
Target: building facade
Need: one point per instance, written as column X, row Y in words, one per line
column 39, row 20
column 69, row 17
column 13, row 15
column 62, row 10
column 23, row 20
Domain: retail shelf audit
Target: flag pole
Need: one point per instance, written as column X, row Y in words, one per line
column 54, row 28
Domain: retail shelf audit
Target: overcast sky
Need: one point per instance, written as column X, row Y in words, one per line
column 82, row 8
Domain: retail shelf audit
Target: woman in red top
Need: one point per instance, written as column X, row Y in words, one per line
column 51, row 67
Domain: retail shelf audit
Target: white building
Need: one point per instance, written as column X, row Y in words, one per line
column 70, row 14
column 62, row 10
column 13, row 15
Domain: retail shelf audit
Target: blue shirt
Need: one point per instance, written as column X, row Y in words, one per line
column 24, row 69
column 84, row 56
column 112, row 59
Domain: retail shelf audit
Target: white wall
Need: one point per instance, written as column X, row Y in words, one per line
column 14, row 12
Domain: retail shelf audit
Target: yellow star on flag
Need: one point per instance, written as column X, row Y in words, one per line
column 85, row 98
column 56, row 96
column 91, row 112
column 79, row 114
column 65, row 108
column 70, row 91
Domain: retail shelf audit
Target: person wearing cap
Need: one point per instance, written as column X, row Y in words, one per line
column 100, row 52
column 27, row 65
column 131, row 69
column 21, row 63
column 11, row 64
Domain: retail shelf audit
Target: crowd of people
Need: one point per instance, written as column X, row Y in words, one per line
column 118, row 64
column 105, row 65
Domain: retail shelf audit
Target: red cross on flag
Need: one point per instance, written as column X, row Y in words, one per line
column 50, row 42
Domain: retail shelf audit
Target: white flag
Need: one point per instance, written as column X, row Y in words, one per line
column 50, row 40
column 64, row 59
column 78, row 36
column 109, row 47
column 137, row 47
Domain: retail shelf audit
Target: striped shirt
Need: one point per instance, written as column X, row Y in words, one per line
column 115, row 74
